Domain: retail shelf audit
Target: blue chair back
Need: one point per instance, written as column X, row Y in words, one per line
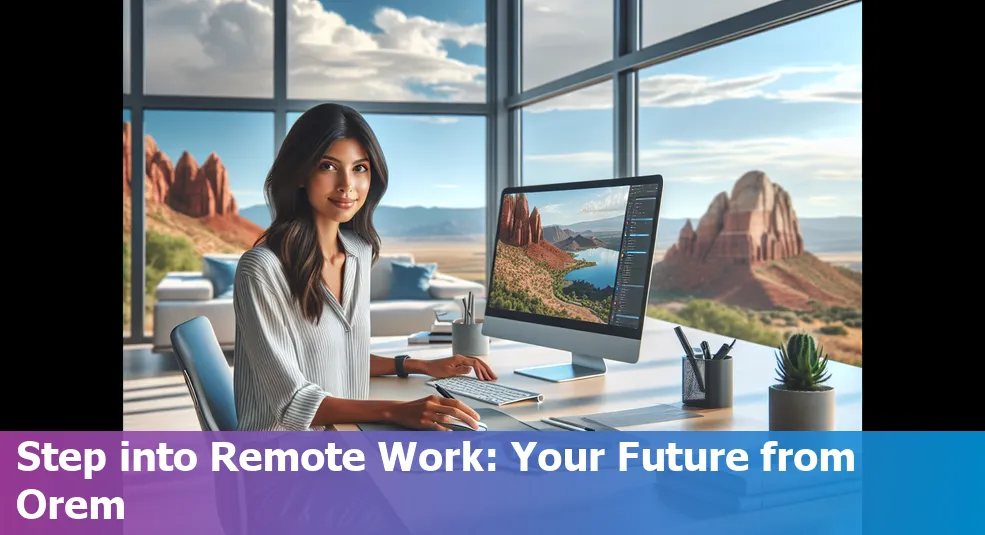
column 207, row 374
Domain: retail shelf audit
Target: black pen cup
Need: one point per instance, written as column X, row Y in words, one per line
column 716, row 380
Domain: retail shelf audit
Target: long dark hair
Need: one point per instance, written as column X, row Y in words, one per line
column 292, row 235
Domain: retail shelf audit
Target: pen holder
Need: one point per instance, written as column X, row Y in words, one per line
column 467, row 339
column 717, row 378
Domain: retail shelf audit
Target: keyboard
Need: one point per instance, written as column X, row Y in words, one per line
column 486, row 392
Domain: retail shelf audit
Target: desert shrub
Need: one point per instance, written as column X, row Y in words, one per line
column 719, row 319
column 168, row 253
column 807, row 318
column 855, row 324
column 790, row 322
column 766, row 319
column 836, row 330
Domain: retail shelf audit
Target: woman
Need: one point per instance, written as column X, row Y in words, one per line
column 301, row 293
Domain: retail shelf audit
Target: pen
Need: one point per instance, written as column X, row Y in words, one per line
column 580, row 427
column 443, row 392
column 562, row 425
column 690, row 357
column 724, row 350
column 705, row 350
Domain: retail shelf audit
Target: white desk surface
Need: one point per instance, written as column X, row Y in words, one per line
column 655, row 379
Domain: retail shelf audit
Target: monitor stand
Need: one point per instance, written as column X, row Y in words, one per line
column 581, row 367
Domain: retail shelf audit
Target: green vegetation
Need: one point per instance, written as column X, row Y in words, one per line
column 164, row 253
column 721, row 319
column 836, row 330
column 835, row 313
column 502, row 297
column 167, row 253
column 587, row 295
column 801, row 365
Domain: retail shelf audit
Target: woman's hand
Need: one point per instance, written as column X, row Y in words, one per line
column 458, row 365
column 426, row 413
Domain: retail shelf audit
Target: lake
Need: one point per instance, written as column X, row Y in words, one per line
column 603, row 273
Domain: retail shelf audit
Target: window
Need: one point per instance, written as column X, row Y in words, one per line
column 209, row 48
column 434, row 207
column 126, row 220
column 205, row 179
column 569, row 138
column 126, row 46
column 562, row 37
column 666, row 19
column 761, row 133
column 406, row 50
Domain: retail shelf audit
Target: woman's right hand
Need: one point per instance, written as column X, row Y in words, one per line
column 426, row 413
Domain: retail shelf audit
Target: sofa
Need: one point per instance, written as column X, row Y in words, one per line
column 183, row 295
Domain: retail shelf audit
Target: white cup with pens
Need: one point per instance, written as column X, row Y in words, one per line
column 466, row 333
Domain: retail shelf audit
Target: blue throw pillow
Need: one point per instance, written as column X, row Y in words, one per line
column 222, row 273
column 411, row 281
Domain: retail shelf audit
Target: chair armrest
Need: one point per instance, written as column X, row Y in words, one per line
column 184, row 286
column 445, row 286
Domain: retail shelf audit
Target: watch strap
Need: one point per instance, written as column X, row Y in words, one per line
column 399, row 362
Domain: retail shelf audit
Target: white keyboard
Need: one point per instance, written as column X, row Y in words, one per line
column 486, row 392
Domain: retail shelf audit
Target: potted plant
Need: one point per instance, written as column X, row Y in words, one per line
column 801, row 401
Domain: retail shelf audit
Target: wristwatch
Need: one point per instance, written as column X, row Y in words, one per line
column 399, row 361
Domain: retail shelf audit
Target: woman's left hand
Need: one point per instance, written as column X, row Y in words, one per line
column 459, row 365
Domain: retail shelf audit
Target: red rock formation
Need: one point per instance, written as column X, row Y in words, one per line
column 756, row 224
column 159, row 173
column 189, row 189
column 748, row 251
column 536, row 229
column 517, row 224
column 506, row 218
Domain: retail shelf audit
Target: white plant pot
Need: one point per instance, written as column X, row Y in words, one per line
column 792, row 410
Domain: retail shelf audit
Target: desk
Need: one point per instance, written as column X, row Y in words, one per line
column 655, row 379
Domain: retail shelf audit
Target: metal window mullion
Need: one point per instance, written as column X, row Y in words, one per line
column 138, row 237
column 624, row 110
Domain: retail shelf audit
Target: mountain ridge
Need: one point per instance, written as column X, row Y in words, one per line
column 821, row 234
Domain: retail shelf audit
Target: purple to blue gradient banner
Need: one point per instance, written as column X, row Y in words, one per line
column 191, row 483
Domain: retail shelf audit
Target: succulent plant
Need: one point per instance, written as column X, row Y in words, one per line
column 802, row 365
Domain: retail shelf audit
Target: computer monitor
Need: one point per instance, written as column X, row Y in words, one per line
column 571, row 271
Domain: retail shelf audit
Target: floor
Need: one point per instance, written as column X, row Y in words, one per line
column 155, row 397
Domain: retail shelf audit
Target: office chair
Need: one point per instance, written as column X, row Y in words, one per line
column 209, row 379
column 210, row 384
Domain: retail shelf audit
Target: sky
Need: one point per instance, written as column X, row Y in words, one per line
column 786, row 101
column 575, row 206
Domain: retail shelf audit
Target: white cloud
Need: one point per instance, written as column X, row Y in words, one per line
column 561, row 37
column 550, row 209
column 664, row 19
column 612, row 201
column 684, row 90
column 225, row 47
column 712, row 161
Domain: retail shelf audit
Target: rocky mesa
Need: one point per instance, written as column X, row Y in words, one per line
column 188, row 199
column 521, row 227
column 747, row 250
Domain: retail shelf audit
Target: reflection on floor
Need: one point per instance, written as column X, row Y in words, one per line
column 155, row 397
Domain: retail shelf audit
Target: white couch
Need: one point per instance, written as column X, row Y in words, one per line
column 182, row 296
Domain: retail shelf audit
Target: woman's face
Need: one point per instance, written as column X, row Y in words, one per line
column 340, row 183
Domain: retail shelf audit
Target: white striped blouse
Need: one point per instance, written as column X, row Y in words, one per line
column 284, row 365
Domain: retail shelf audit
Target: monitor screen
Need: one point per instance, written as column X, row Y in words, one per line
column 576, row 255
